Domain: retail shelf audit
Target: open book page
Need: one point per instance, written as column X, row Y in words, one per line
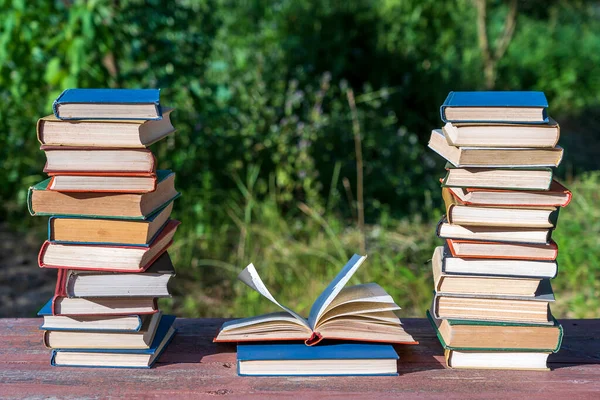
column 263, row 320
column 366, row 292
column 251, row 278
column 332, row 290
column 383, row 317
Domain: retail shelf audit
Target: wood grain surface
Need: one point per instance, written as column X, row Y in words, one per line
column 194, row 367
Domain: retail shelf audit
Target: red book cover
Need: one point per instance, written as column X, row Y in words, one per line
column 508, row 256
column 159, row 245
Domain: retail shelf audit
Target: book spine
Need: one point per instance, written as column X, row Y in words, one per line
column 30, row 201
column 443, row 107
column 45, row 339
column 557, row 135
column 560, row 339
column 553, row 218
column 39, row 130
column 57, row 102
column 53, row 358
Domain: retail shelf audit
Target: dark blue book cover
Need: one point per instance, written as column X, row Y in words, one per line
column 156, row 348
column 300, row 351
column 509, row 99
column 107, row 96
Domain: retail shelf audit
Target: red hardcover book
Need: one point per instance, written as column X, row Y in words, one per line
column 94, row 257
column 556, row 196
column 509, row 251
column 62, row 305
column 61, row 159
column 86, row 182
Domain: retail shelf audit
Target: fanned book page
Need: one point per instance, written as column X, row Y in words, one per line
column 361, row 312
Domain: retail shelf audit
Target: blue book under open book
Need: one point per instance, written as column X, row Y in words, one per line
column 289, row 359
column 119, row 358
column 510, row 107
column 124, row 104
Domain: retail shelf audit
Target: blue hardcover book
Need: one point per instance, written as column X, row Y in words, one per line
column 295, row 359
column 496, row 107
column 119, row 358
column 124, row 104
column 97, row 323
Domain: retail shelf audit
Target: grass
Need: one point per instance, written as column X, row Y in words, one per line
column 298, row 252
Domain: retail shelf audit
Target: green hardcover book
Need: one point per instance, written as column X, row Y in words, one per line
column 133, row 206
column 463, row 335
column 505, row 178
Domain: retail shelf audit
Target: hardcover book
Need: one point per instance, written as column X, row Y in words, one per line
column 109, row 231
column 524, row 309
column 492, row 157
column 540, row 269
column 104, row 133
column 293, row 359
column 446, row 230
column 497, row 360
column 142, row 339
column 95, row 323
column 111, row 306
column 495, row 106
column 464, row 335
column 75, row 182
column 133, row 206
column 510, row 217
column 126, row 104
column 506, row 179
column 61, row 160
column 115, row 358
column 92, row 257
column 150, row 283
column 502, row 135
column 556, row 196
column 497, row 250
column 472, row 284
column 356, row 313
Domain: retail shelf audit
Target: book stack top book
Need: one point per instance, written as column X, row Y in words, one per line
column 109, row 227
column 492, row 300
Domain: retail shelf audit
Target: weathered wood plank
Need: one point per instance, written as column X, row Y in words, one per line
column 193, row 366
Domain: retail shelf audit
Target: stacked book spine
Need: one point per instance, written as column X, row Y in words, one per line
column 491, row 307
column 109, row 228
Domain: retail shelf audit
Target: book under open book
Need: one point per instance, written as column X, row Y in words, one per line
column 358, row 313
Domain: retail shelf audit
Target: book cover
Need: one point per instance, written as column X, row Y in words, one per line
column 550, row 196
column 444, row 222
column 98, row 150
column 67, row 279
column 43, row 185
column 450, row 250
column 168, row 230
column 493, row 323
column 150, row 218
column 163, row 336
column 297, row 352
column 511, row 99
column 108, row 96
column 46, row 310
column 449, row 166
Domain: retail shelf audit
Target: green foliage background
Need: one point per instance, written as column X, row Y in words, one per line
column 264, row 152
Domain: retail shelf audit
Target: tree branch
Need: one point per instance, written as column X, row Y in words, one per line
column 509, row 29
column 482, row 30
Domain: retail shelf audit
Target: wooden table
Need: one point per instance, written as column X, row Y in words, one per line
column 193, row 366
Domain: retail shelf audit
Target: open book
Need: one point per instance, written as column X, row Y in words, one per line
column 359, row 313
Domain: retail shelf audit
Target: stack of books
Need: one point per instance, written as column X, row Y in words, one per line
column 491, row 307
column 109, row 227
column 349, row 331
